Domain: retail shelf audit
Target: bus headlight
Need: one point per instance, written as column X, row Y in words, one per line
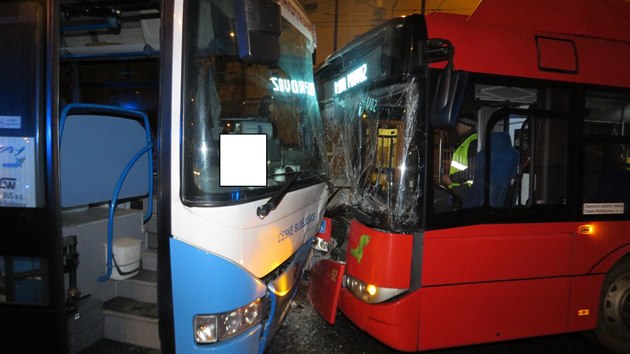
column 233, row 322
column 370, row 293
column 206, row 329
column 216, row 327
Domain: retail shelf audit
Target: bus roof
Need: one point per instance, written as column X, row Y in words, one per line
column 567, row 40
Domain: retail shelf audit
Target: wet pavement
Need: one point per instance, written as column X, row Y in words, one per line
column 305, row 332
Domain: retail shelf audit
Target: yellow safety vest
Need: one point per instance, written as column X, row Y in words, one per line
column 459, row 161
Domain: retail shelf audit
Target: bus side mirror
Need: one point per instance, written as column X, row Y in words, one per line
column 258, row 26
column 448, row 98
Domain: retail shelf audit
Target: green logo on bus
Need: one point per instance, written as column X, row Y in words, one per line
column 358, row 252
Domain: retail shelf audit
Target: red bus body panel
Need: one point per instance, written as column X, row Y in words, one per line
column 484, row 312
column 394, row 323
column 583, row 302
column 383, row 260
column 530, row 39
column 485, row 253
column 598, row 251
column 497, row 282
column 324, row 287
column 486, row 283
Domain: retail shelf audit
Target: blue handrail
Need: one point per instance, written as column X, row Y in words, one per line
column 114, row 202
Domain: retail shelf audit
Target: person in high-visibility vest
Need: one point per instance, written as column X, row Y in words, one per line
column 460, row 174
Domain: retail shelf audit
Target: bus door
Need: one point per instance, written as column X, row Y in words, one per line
column 32, row 309
column 502, row 243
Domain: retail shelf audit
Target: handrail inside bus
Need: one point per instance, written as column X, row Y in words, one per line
column 114, row 201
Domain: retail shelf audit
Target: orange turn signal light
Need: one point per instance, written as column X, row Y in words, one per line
column 585, row 229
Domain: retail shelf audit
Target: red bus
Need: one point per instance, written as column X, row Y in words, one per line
column 533, row 238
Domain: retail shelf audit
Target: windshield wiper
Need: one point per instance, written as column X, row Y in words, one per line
column 264, row 210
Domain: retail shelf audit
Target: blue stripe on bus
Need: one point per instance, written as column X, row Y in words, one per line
column 204, row 283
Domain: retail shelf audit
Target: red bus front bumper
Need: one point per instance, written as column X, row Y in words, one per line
column 395, row 323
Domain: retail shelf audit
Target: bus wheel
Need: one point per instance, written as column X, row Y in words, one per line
column 613, row 322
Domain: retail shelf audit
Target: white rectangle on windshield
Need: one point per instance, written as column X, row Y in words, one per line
column 243, row 160
column 602, row 208
column 10, row 122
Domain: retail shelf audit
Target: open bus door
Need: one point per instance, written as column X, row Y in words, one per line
column 32, row 295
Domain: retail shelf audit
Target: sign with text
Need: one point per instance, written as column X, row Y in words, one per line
column 17, row 172
column 359, row 71
column 354, row 78
column 602, row 208
column 296, row 87
column 10, row 122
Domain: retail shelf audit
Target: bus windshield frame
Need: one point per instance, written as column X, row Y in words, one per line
column 371, row 105
column 224, row 95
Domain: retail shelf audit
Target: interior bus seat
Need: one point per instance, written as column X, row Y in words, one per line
column 504, row 160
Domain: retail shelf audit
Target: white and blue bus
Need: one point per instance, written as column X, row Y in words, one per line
column 113, row 204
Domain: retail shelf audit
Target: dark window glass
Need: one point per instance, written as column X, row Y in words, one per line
column 504, row 152
column 606, row 165
column 23, row 280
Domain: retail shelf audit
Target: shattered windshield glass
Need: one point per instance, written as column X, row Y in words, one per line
column 372, row 139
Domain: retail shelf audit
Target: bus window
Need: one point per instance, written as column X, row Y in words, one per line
column 372, row 150
column 607, row 115
column 23, row 280
column 606, row 177
column 224, row 95
column 526, row 154
column 456, row 151
column 606, row 168
column 502, row 164
column 539, row 174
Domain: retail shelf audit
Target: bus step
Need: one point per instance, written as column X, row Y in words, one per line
column 131, row 321
column 142, row 287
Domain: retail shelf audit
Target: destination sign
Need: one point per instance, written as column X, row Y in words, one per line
column 354, row 78
column 297, row 87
